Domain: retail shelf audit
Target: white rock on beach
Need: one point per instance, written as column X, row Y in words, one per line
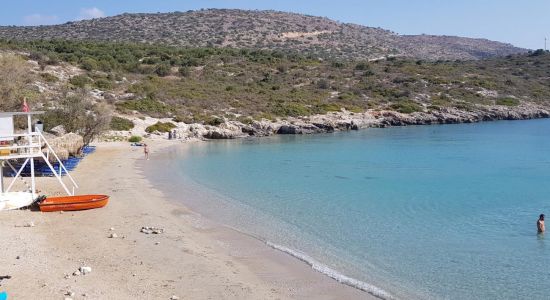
column 85, row 270
column 113, row 236
column 174, row 297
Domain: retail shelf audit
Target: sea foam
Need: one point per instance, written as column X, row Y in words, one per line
column 323, row 269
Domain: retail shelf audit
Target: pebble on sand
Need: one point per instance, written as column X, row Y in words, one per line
column 85, row 270
column 152, row 230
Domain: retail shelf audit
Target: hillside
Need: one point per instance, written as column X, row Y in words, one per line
column 268, row 30
column 216, row 87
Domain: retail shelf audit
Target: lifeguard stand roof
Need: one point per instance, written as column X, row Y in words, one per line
column 20, row 113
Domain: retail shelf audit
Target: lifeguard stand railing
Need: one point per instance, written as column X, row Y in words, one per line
column 27, row 147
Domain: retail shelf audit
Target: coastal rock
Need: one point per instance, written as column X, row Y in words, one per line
column 226, row 130
column 287, row 129
column 346, row 120
column 113, row 236
column 58, row 130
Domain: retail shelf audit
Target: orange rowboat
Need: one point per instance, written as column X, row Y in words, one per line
column 73, row 203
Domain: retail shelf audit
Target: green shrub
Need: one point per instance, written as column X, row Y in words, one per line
column 49, row 77
column 80, row 81
column 162, row 70
column 184, row 71
column 160, row 127
column 135, row 139
column 323, row 84
column 88, row 64
column 507, row 102
column 245, row 120
column 145, row 105
column 104, row 84
column 291, row 110
column 361, row 66
column 406, row 107
column 121, row 124
column 213, row 121
column 328, row 107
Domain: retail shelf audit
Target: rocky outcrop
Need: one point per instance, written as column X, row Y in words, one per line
column 454, row 116
column 345, row 120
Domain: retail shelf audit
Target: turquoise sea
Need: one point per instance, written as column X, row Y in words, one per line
column 420, row 212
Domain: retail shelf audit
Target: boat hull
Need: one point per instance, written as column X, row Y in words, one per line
column 70, row 203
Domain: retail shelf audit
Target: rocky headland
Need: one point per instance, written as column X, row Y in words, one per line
column 336, row 121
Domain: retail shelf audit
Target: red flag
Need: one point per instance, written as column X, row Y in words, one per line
column 25, row 106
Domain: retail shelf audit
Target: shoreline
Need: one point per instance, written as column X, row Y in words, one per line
column 193, row 259
column 366, row 291
column 202, row 193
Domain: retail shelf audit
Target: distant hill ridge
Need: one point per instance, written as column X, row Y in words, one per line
column 272, row 30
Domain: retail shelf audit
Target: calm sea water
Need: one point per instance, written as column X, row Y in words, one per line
column 428, row 212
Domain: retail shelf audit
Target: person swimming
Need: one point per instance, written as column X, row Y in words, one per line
column 540, row 224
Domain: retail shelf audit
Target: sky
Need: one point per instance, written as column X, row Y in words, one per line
column 522, row 23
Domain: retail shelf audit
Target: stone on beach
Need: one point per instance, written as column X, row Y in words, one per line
column 113, row 236
column 152, row 230
column 85, row 270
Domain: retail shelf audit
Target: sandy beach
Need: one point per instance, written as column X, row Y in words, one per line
column 194, row 258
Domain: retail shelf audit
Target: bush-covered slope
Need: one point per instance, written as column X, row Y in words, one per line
column 267, row 30
column 197, row 84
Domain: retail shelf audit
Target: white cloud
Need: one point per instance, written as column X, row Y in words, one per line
column 38, row 19
column 90, row 13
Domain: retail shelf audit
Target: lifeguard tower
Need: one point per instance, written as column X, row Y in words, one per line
column 25, row 147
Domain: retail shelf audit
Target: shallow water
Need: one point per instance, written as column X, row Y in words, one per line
column 441, row 212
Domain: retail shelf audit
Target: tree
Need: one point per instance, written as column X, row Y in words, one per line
column 15, row 80
column 79, row 114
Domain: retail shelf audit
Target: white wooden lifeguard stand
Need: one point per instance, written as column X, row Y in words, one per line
column 28, row 147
